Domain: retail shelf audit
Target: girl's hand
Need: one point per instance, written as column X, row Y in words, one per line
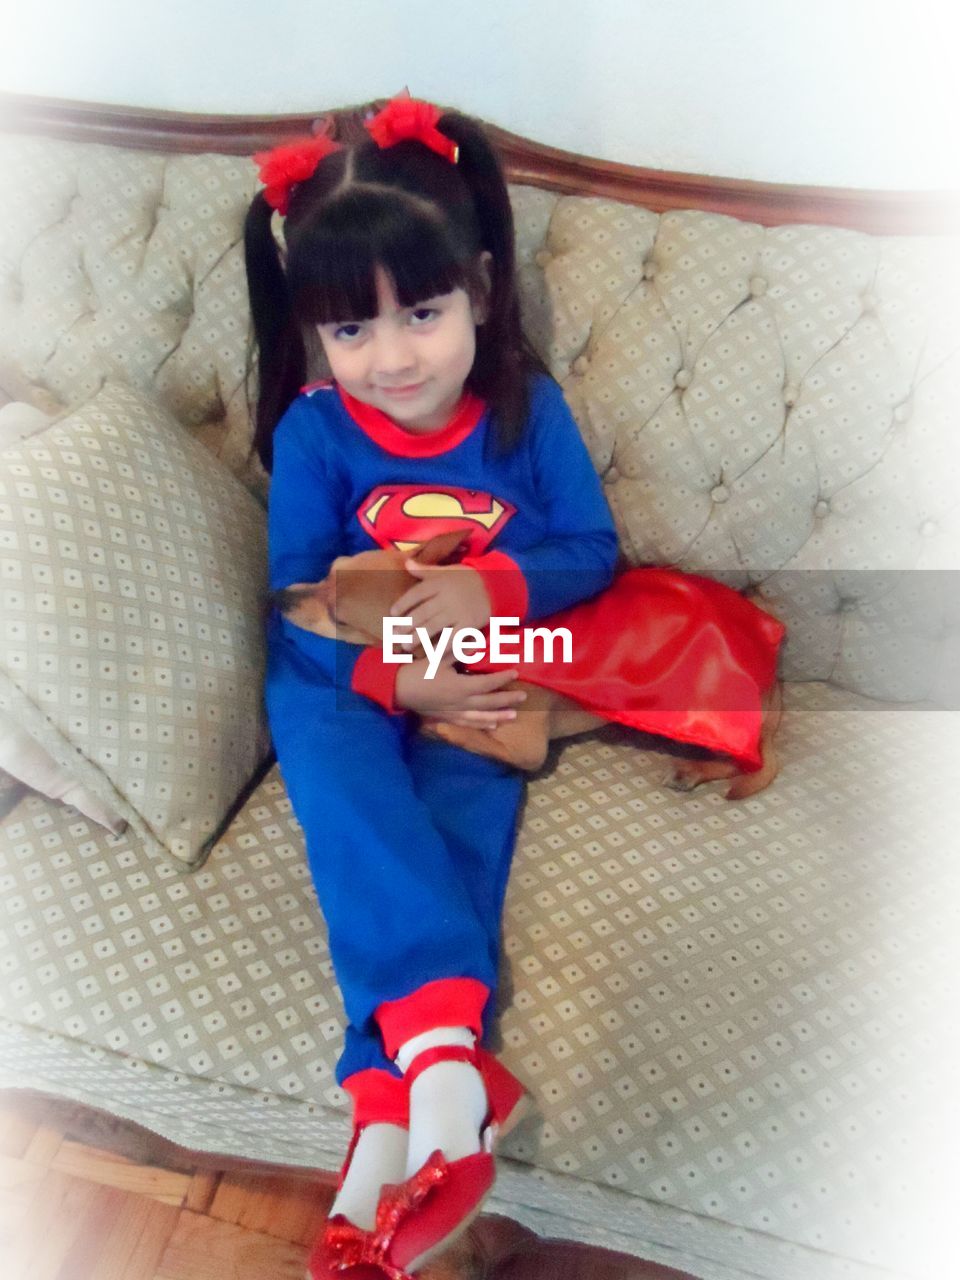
column 473, row 702
column 447, row 595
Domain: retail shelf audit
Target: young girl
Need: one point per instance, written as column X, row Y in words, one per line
column 399, row 254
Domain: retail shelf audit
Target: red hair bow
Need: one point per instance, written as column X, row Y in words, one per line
column 405, row 117
column 283, row 167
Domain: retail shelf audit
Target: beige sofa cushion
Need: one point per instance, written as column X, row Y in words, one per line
column 128, row 265
column 773, row 406
column 132, row 567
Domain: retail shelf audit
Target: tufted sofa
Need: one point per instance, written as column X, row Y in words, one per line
column 735, row 1019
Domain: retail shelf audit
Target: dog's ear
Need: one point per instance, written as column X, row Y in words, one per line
column 302, row 602
column 444, row 548
column 286, row 597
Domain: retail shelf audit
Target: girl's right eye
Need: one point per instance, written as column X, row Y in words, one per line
column 346, row 332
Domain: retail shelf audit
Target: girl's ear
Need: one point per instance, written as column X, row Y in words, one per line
column 481, row 305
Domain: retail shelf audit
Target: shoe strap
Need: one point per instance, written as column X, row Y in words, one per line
column 441, row 1053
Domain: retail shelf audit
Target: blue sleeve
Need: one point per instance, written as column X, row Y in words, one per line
column 304, row 522
column 305, row 525
column 577, row 558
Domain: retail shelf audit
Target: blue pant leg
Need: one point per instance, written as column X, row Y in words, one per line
column 397, row 909
column 362, row 1050
column 474, row 802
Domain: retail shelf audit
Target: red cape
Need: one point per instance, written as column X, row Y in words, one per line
column 667, row 653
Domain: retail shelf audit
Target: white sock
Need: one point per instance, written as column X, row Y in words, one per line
column 380, row 1156
column 448, row 1101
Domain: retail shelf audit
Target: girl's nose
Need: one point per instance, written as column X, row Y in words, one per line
column 393, row 355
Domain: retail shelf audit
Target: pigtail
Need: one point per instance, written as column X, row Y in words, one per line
column 505, row 356
column 279, row 341
column 480, row 168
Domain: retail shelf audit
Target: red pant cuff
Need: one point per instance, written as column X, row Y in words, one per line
column 378, row 1098
column 447, row 1002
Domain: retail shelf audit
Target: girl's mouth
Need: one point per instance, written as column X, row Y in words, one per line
column 402, row 391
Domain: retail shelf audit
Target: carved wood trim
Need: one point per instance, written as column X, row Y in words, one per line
column 770, row 204
column 525, row 161
column 145, row 129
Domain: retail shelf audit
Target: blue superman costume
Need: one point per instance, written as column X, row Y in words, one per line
column 409, row 838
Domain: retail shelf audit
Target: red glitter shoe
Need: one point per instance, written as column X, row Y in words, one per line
column 343, row 1250
column 348, row 1252
column 425, row 1214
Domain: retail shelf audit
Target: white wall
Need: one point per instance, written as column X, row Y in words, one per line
column 838, row 92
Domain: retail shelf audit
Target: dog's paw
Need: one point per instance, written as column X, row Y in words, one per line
column 677, row 779
column 687, row 774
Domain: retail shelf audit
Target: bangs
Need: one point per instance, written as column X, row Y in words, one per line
column 335, row 261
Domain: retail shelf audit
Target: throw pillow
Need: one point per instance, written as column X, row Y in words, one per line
column 132, row 575
column 24, row 759
column 19, row 420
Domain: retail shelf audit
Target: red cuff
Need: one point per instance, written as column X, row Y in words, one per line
column 376, row 679
column 506, row 586
column 447, row 1002
column 378, row 1098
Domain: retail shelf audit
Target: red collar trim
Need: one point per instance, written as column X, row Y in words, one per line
column 408, row 444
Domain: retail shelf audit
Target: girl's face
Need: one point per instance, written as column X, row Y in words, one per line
column 409, row 362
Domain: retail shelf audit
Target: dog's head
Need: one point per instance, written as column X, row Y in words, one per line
column 359, row 591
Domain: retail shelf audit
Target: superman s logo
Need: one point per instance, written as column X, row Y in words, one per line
column 405, row 516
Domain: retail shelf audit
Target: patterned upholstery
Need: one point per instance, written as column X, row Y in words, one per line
column 133, row 571
column 129, row 265
column 736, row 1019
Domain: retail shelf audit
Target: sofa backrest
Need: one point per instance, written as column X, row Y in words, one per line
column 128, row 264
column 768, row 405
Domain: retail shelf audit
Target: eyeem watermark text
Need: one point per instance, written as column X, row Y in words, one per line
column 468, row 644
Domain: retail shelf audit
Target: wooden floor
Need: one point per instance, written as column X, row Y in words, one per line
column 71, row 1209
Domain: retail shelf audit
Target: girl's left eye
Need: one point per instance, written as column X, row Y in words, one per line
column 420, row 315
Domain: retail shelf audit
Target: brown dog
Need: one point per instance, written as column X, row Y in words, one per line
column 358, row 593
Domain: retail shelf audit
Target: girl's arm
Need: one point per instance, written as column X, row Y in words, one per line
column 304, row 521
column 305, row 535
column 577, row 557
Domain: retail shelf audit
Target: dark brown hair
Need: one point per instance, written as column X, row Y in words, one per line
column 423, row 219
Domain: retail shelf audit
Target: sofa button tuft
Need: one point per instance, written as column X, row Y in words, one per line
column 902, row 412
column 611, row 475
column 581, row 365
column 791, row 394
column 758, row 286
column 720, row 494
column 543, row 257
column 649, row 269
column 822, row 509
column 682, row 378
